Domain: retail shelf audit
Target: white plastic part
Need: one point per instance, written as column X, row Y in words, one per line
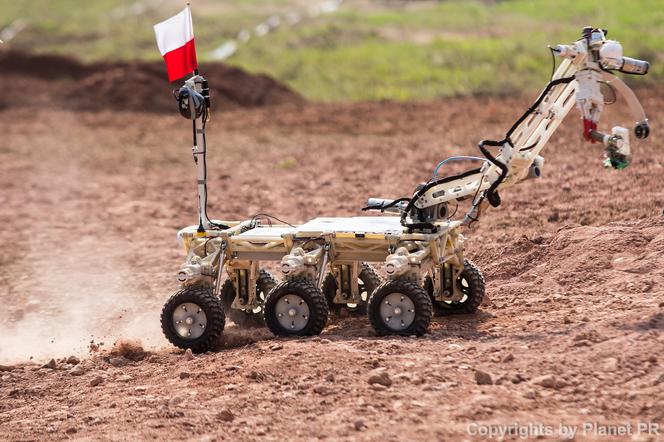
column 611, row 55
column 589, row 99
column 624, row 145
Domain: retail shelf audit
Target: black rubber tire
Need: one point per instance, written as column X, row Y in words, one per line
column 213, row 311
column 307, row 290
column 471, row 283
column 419, row 297
column 247, row 318
column 369, row 279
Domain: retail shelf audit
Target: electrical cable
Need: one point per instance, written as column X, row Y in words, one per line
column 266, row 215
column 553, row 62
column 455, row 158
column 212, row 223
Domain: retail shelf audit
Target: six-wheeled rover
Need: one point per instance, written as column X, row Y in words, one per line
column 325, row 263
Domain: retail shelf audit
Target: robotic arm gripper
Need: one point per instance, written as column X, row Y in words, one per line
column 586, row 64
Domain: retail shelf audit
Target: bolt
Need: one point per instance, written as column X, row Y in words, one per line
column 292, row 312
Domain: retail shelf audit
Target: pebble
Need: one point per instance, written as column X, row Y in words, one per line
column 329, row 377
column 379, row 376
column 277, row 346
column 549, row 381
column 323, row 390
column 508, row 358
column 96, row 381
column 124, row 378
column 117, row 362
column 184, row 375
column 77, row 370
column 455, row 347
column 359, row 425
column 226, row 415
column 73, row 360
column 325, row 341
column 517, row 379
column 6, row 368
column 50, row 364
column 483, row 378
column 188, row 355
column 141, row 389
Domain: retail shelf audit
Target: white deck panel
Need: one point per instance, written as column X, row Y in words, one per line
column 385, row 225
column 265, row 233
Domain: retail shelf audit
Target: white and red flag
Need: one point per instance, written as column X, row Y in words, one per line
column 175, row 39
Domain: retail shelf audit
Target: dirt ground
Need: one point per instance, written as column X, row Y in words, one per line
column 572, row 331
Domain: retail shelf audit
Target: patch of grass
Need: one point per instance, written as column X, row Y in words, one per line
column 368, row 50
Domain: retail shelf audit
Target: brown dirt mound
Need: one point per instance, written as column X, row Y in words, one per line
column 132, row 350
column 141, row 86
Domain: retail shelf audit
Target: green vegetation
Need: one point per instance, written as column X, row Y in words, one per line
column 366, row 50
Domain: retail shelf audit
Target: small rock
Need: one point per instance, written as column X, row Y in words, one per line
column 610, row 364
column 257, row 376
column 378, row 387
column 379, row 376
column 73, row 360
column 71, row 430
column 117, row 362
column 77, row 370
column 141, row 389
column 359, row 425
column 661, row 304
column 530, row 394
column 96, row 381
column 124, row 378
column 329, row 377
column 50, row 364
column 483, row 378
column 188, row 355
column 517, row 379
column 225, row 415
column 184, row 375
column 549, row 381
column 6, row 368
column 660, row 379
column 567, row 320
column 277, row 346
column 323, row 390
column 175, row 400
column 455, row 347
column 325, row 341
column 508, row 358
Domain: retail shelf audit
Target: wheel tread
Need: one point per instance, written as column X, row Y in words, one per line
column 318, row 308
column 417, row 294
column 214, row 311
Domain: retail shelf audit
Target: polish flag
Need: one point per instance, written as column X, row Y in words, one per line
column 175, row 39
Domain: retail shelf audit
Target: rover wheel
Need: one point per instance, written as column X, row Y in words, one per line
column 400, row 307
column 193, row 318
column 248, row 317
column 368, row 282
column 471, row 284
column 296, row 308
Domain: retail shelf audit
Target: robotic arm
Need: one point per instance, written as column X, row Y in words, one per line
column 586, row 64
